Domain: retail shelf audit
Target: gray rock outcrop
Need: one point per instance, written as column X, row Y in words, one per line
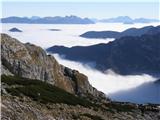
column 30, row 61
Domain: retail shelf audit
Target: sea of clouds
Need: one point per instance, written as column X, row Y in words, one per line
column 131, row 88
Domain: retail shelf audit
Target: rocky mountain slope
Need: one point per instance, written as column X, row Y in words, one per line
column 127, row 55
column 28, row 99
column 30, row 61
column 36, row 87
column 115, row 34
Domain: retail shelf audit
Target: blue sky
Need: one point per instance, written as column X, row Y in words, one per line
column 83, row 0
column 83, row 8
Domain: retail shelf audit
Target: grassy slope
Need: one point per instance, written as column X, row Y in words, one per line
column 41, row 91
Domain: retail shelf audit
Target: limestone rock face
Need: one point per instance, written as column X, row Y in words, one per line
column 30, row 61
column 5, row 71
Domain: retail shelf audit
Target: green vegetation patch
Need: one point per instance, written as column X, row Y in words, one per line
column 41, row 91
column 46, row 93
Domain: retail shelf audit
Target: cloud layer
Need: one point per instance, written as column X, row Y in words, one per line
column 109, row 82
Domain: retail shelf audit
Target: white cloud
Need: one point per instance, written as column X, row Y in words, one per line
column 109, row 82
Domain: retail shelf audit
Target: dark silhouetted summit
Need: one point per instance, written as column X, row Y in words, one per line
column 15, row 30
column 114, row 34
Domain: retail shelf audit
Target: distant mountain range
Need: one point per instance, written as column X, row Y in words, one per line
column 48, row 20
column 74, row 20
column 126, row 55
column 115, row 34
column 128, row 20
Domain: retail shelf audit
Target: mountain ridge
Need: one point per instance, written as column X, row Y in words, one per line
column 48, row 20
column 115, row 34
column 72, row 19
column 126, row 19
column 126, row 55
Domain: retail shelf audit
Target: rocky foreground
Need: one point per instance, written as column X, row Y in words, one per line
column 36, row 87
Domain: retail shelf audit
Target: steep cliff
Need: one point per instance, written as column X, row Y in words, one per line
column 30, row 61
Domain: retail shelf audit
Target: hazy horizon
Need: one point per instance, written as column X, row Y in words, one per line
column 80, row 17
column 98, row 10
